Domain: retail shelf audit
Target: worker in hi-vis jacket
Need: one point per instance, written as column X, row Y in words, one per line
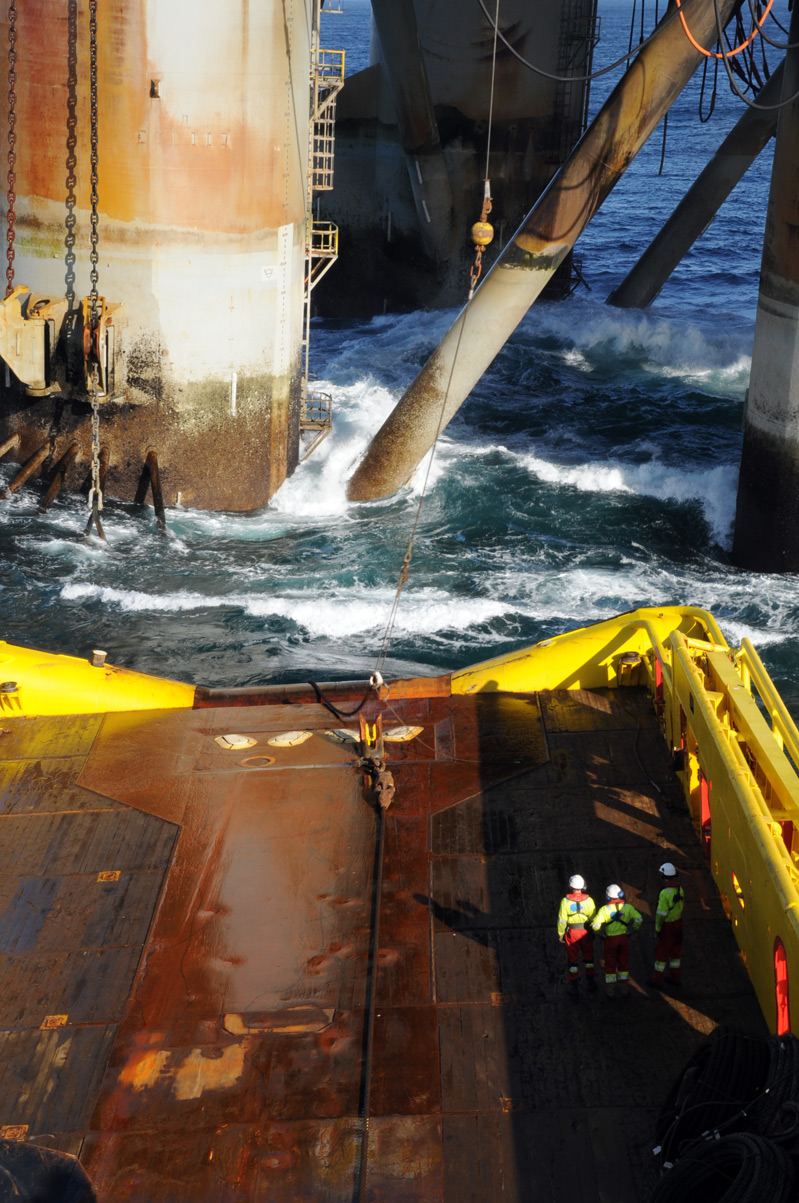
column 618, row 918
column 668, row 927
column 575, row 913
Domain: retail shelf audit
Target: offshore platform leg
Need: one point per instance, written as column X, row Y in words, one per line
column 767, row 509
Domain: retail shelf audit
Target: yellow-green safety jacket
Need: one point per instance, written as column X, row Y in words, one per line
column 619, row 917
column 669, row 906
column 576, row 910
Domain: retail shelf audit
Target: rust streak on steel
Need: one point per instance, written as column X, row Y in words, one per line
column 25, row 473
column 61, row 469
column 625, row 121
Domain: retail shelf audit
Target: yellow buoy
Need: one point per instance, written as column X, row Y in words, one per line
column 482, row 233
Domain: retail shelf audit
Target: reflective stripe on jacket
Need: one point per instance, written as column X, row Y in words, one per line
column 576, row 910
column 621, row 918
column 669, row 906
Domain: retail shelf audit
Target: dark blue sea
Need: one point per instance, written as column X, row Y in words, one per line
column 592, row 470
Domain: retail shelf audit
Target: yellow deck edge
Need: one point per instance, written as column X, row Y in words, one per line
column 587, row 658
column 41, row 683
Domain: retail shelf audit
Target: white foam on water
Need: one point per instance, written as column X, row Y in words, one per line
column 135, row 601
column 592, row 333
column 425, row 611
column 318, row 489
column 714, row 488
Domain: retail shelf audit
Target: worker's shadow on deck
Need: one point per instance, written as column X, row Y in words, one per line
column 459, row 918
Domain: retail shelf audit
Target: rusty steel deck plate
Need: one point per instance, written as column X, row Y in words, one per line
column 184, row 936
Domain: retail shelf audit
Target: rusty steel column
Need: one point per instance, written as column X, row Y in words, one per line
column 702, row 201
column 9, row 444
column 26, row 471
column 402, row 57
column 627, row 118
column 767, row 512
column 203, row 134
column 59, row 473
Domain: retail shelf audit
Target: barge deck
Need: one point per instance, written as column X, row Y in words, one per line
column 185, row 930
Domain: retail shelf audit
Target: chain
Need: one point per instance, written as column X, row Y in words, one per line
column 12, row 143
column 482, row 233
column 94, row 157
column 95, row 492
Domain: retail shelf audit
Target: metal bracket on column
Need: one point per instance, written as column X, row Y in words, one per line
column 22, row 339
column 98, row 344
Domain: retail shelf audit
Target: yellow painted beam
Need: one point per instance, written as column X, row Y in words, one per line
column 588, row 657
column 37, row 683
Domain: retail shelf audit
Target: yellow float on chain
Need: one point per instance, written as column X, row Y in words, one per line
column 482, row 235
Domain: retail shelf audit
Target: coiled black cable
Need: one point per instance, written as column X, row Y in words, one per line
column 714, row 1091
column 742, row 1168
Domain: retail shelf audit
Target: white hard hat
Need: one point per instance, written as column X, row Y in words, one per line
column 614, row 892
column 576, row 882
column 668, row 869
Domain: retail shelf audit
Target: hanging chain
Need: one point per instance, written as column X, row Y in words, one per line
column 12, row 143
column 95, row 492
column 482, row 234
column 94, row 157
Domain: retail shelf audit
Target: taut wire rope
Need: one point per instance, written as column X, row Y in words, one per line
column 406, row 560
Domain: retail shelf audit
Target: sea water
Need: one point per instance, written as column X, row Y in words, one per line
column 592, row 470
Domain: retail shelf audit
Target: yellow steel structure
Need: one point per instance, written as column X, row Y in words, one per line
column 39, row 683
column 588, row 658
column 735, row 749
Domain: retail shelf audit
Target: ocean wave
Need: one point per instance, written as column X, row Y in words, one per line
column 593, row 336
column 427, row 612
column 713, row 488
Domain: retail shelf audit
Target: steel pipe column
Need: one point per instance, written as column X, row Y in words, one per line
column 625, row 121
column 702, row 201
column 410, row 90
column 767, row 513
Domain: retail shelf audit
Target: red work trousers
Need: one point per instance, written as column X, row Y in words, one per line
column 579, row 943
column 668, row 950
column 617, row 957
